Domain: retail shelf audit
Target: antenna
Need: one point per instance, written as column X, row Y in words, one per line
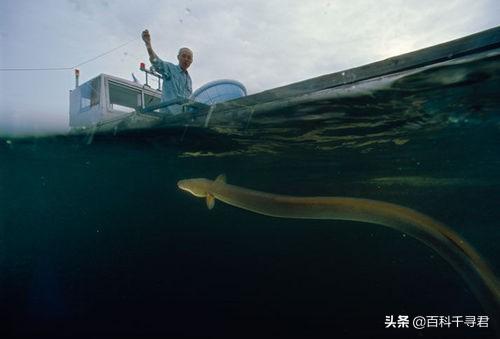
column 77, row 77
column 135, row 79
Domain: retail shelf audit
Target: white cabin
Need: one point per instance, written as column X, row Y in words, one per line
column 107, row 99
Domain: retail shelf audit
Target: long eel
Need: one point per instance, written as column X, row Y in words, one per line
column 448, row 244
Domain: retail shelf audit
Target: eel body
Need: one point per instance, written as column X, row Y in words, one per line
column 448, row 244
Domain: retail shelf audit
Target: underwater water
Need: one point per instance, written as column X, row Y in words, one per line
column 98, row 241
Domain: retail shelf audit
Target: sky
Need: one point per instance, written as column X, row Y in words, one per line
column 263, row 43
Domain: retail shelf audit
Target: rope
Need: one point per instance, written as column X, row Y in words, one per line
column 67, row 68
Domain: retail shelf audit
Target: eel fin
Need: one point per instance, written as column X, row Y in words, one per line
column 221, row 178
column 210, row 201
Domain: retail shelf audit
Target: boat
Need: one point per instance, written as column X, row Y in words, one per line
column 110, row 103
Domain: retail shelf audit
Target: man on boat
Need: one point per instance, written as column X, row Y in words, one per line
column 176, row 79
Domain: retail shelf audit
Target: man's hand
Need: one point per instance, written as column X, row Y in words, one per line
column 146, row 37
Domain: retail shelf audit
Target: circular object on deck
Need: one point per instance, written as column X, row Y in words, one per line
column 219, row 91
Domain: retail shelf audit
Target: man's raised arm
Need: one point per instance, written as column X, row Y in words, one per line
column 147, row 39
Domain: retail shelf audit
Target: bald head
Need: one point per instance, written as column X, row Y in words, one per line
column 185, row 49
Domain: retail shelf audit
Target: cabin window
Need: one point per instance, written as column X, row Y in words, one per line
column 90, row 94
column 124, row 98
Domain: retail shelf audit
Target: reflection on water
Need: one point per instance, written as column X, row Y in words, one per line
column 98, row 239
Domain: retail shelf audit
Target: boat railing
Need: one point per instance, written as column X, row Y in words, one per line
column 193, row 108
